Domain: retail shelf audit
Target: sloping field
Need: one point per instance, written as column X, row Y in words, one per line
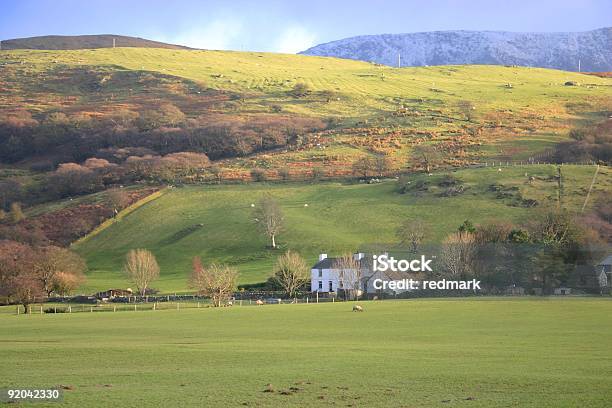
column 216, row 222
column 364, row 88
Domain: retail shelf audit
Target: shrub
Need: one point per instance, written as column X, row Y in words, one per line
column 258, row 175
column 300, row 90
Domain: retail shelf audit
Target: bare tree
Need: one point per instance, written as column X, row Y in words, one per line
column 458, row 254
column 291, row 272
column 349, row 273
column 382, row 164
column 216, row 281
column 428, row 155
column 52, row 260
column 65, row 283
column 119, row 199
column 18, row 280
column 467, row 108
column 269, row 218
column 142, row 269
column 364, row 166
column 16, row 213
column 411, row 233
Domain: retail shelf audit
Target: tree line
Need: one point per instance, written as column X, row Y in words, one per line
column 58, row 137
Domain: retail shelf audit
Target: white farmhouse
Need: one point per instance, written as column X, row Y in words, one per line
column 604, row 272
column 327, row 277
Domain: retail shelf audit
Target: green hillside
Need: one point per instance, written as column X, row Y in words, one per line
column 471, row 112
column 364, row 88
column 215, row 222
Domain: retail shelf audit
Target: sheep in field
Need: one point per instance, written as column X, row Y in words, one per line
column 357, row 308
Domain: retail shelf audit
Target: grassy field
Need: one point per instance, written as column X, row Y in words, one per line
column 518, row 111
column 365, row 88
column 421, row 353
column 339, row 218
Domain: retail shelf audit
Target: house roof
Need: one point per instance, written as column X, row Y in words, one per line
column 606, row 261
column 329, row 263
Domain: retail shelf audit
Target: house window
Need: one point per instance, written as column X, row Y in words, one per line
column 331, row 287
column 320, row 285
column 320, row 273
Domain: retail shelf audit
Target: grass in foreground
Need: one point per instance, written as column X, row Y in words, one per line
column 421, row 353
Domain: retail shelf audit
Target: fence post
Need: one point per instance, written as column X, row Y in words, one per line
column 91, row 309
column 333, row 300
column 18, row 310
column 114, row 308
column 55, row 309
column 154, row 305
column 69, row 309
column 317, row 296
column 306, row 299
column 198, row 305
column 178, row 306
column 135, row 307
column 41, row 309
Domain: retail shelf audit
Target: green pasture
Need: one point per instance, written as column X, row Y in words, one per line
column 418, row 353
column 216, row 222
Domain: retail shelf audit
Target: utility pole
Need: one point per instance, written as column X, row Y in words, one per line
column 113, row 43
column 559, row 187
column 579, row 70
column 399, row 60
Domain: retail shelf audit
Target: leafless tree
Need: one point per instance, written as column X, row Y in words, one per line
column 51, row 260
column 382, row 164
column 350, row 273
column 467, row 108
column 269, row 218
column 16, row 213
column 458, row 254
column 119, row 199
column 291, row 272
column 411, row 234
column 428, row 155
column 142, row 269
column 18, row 280
column 364, row 167
column 215, row 281
column 65, row 283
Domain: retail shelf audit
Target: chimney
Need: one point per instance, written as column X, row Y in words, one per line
column 322, row 257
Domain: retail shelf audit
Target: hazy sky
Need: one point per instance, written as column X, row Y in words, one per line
column 292, row 25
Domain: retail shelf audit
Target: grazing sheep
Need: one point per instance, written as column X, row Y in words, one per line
column 357, row 308
column 259, row 302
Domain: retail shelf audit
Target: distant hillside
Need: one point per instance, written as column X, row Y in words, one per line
column 76, row 42
column 545, row 50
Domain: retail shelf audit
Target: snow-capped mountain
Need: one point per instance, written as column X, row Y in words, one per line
column 548, row 50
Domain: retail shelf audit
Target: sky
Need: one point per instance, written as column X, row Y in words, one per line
column 293, row 25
